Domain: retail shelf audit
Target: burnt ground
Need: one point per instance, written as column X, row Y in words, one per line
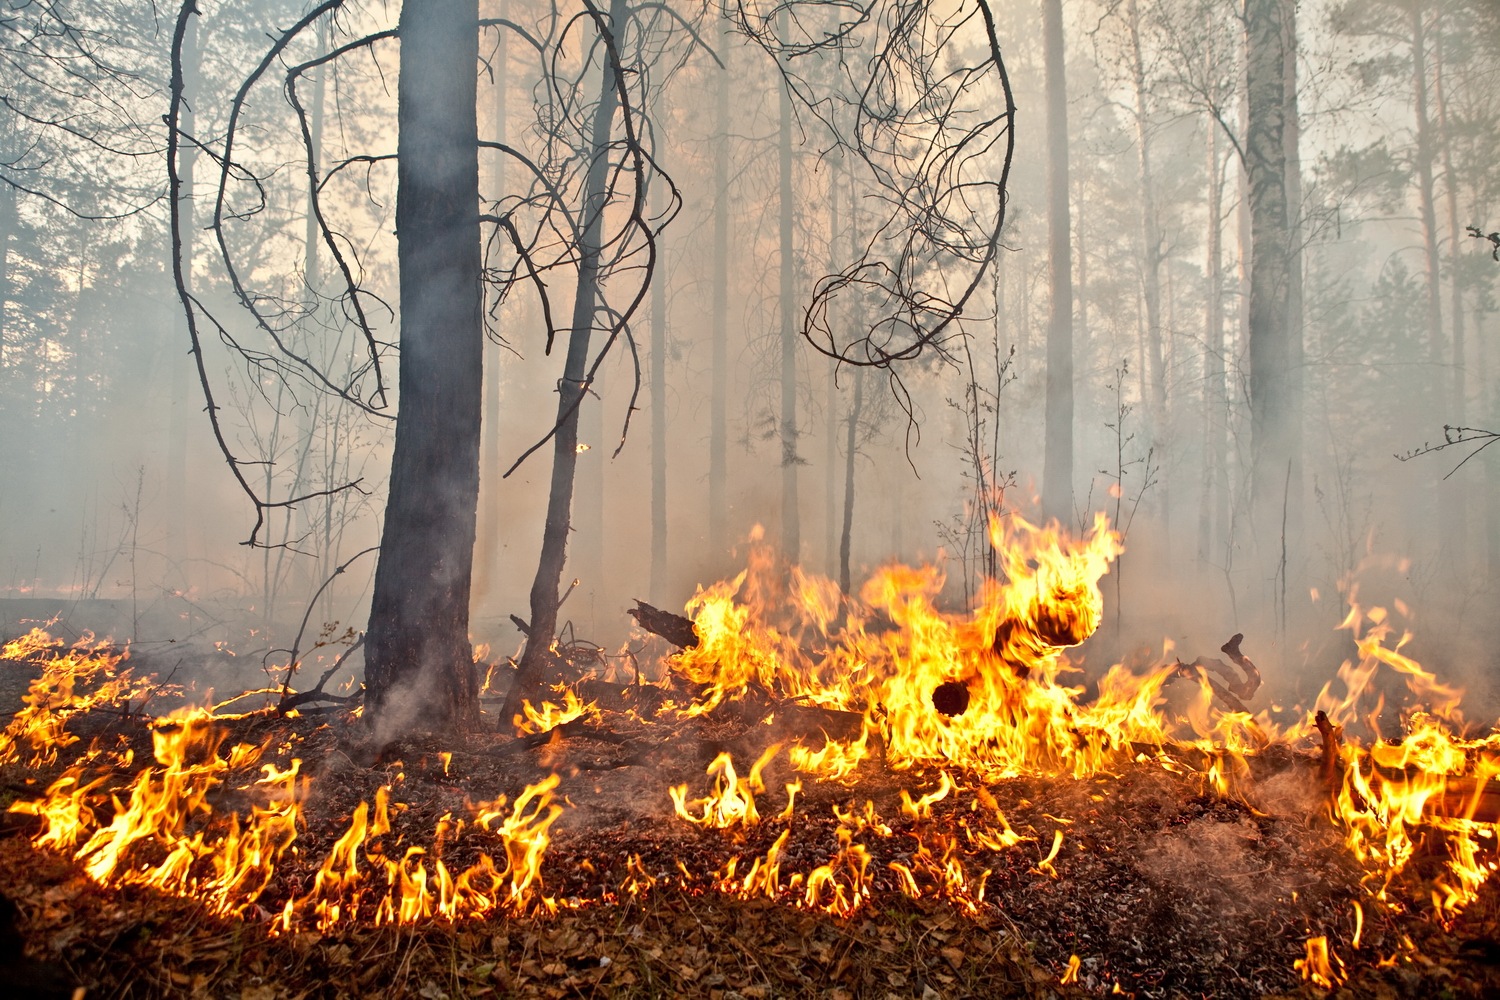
column 1161, row 888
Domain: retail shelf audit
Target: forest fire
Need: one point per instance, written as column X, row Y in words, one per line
column 879, row 790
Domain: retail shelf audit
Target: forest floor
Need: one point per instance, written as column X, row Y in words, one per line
column 1159, row 887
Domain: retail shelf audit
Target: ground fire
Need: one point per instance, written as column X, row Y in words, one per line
column 805, row 755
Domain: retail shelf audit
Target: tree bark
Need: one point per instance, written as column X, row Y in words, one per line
column 1057, row 464
column 418, row 661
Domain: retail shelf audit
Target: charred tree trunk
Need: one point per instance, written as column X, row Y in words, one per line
column 1057, row 466
column 418, row 662
column 572, row 388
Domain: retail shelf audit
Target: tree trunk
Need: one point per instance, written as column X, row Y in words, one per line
column 1151, row 252
column 490, row 467
column 1057, row 466
column 418, row 662
column 1425, row 187
column 8, row 219
column 1083, row 344
column 1296, row 349
column 1455, row 511
column 718, row 420
column 1214, row 399
column 1265, row 154
column 658, row 403
column 178, row 507
column 831, row 446
column 851, row 452
column 572, row 389
column 791, row 520
column 311, row 426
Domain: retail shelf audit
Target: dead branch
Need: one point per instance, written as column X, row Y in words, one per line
column 672, row 627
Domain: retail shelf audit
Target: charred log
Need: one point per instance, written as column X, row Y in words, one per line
column 672, row 627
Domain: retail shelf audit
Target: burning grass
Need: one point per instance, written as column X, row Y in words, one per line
column 832, row 798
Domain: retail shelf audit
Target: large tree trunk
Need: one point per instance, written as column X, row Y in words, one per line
column 791, row 518
column 1271, row 425
column 572, row 389
column 418, row 661
column 718, row 420
column 1057, row 465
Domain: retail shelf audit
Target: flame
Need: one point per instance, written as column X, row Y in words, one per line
column 74, row 678
column 549, row 715
column 1321, row 966
column 957, row 701
column 732, row 801
column 982, row 690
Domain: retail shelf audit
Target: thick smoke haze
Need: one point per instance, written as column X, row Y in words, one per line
column 117, row 508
